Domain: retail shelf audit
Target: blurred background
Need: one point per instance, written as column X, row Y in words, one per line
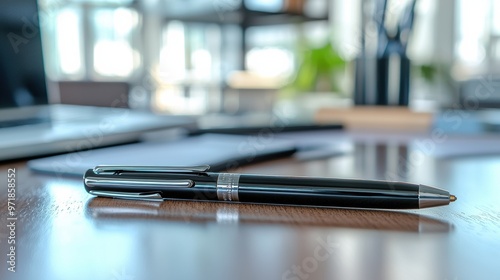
column 239, row 56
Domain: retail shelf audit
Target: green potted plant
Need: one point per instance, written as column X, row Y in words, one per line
column 316, row 82
column 318, row 71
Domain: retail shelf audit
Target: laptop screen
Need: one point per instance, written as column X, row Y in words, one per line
column 22, row 77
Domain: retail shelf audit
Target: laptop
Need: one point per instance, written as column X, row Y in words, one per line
column 29, row 125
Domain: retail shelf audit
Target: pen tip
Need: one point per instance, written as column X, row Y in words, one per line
column 453, row 198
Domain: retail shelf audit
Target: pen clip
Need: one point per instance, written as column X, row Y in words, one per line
column 129, row 195
column 117, row 186
column 95, row 182
column 112, row 169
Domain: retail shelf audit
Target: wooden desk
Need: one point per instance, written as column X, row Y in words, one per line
column 63, row 233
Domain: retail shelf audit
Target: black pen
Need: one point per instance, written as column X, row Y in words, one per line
column 196, row 183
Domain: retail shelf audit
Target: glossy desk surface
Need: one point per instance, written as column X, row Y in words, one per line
column 61, row 232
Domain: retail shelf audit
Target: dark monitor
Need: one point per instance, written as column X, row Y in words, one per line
column 22, row 76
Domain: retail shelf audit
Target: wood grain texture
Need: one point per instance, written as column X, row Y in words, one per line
column 377, row 118
column 64, row 233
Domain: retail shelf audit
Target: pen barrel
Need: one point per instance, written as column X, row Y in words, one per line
column 265, row 189
column 327, row 192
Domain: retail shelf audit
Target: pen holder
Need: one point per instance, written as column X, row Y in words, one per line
column 393, row 80
column 382, row 81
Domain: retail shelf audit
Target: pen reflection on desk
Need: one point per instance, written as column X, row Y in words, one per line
column 105, row 210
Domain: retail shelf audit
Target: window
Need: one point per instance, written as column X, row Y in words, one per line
column 62, row 38
column 478, row 31
column 114, row 54
column 87, row 40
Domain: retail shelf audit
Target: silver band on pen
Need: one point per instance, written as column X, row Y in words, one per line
column 227, row 186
